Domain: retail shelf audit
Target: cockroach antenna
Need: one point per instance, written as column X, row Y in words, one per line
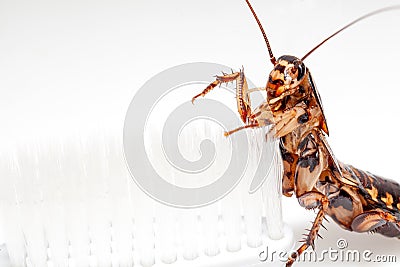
column 350, row 24
column 271, row 55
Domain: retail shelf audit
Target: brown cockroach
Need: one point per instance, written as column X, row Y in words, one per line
column 357, row 200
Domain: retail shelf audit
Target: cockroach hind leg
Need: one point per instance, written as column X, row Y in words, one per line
column 372, row 220
column 311, row 200
column 313, row 233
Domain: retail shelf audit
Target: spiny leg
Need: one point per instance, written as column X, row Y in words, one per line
column 253, row 125
column 310, row 165
column 311, row 200
column 242, row 93
column 261, row 116
column 256, row 89
column 225, row 78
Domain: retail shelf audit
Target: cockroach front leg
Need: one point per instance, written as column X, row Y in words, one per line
column 311, row 200
column 242, row 93
column 225, row 78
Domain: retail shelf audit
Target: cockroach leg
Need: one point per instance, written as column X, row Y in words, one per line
column 289, row 165
column 252, row 90
column 226, row 78
column 242, row 92
column 373, row 220
column 311, row 200
column 241, row 128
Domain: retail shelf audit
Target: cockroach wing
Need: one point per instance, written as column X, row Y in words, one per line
column 343, row 178
column 324, row 125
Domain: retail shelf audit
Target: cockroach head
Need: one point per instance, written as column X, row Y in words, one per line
column 286, row 76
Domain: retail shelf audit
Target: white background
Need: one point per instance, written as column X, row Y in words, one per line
column 69, row 66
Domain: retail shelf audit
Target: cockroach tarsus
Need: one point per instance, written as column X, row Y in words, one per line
column 357, row 200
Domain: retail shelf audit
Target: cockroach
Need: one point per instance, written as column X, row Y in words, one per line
column 357, row 200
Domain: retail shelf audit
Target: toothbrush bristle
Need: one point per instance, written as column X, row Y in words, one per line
column 73, row 203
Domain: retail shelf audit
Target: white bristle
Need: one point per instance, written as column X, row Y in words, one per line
column 13, row 235
column 29, row 196
column 10, row 215
column 99, row 209
column 209, row 215
column 143, row 232
column 165, row 219
column 210, row 227
column 73, row 203
column 252, row 220
column 188, row 220
column 76, row 202
column 232, row 220
column 166, row 235
column 252, row 203
column 53, row 204
column 121, row 212
column 272, row 199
